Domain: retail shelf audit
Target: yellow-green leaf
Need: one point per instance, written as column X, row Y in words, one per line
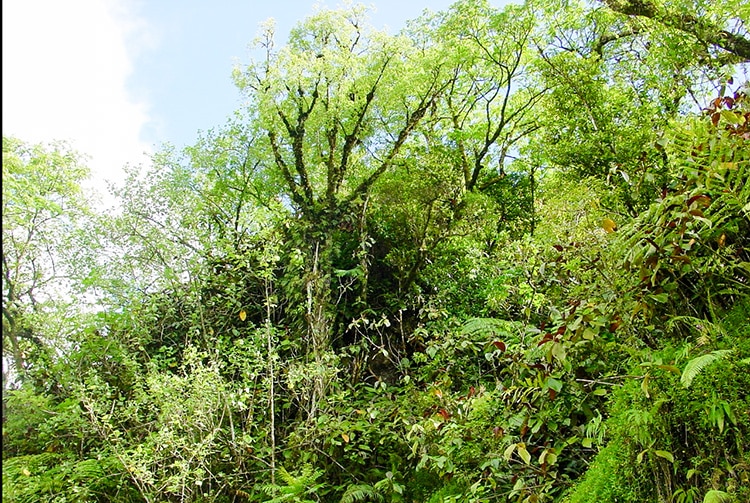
column 524, row 453
column 669, row 368
column 543, row 456
column 551, row 458
column 732, row 117
column 558, row 351
column 644, row 386
column 639, row 458
column 243, row 315
column 609, row 225
column 666, row 455
column 548, row 457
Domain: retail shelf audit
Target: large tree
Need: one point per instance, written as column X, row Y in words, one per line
column 42, row 204
column 471, row 144
column 332, row 112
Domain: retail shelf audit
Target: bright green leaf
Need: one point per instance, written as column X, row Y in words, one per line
column 524, row 453
column 665, row 454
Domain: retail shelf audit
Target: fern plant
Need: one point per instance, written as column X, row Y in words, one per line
column 46, row 476
column 296, row 488
column 487, row 327
column 699, row 363
column 361, row 493
column 715, row 496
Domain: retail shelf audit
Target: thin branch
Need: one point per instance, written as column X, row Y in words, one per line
column 702, row 29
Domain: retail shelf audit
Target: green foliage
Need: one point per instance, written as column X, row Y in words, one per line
column 43, row 207
column 489, row 258
column 714, row 496
column 50, row 476
column 697, row 364
column 361, row 492
column 604, row 480
column 689, row 249
column 666, row 439
column 296, row 488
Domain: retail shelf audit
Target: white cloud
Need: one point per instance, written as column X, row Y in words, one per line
column 65, row 66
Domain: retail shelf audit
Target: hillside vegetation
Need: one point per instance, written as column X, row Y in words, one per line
column 503, row 255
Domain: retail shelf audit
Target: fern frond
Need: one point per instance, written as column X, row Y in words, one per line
column 287, row 477
column 360, row 492
column 32, row 477
column 296, row 487
column 715, row 496
column 88, row 469
column 487, row 327
column 697, row 364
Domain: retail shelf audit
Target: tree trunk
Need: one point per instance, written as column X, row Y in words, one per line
column 319, row 320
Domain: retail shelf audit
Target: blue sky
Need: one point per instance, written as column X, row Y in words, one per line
column 118, row 78
column 187, row 77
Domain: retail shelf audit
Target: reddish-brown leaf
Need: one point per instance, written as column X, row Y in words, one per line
column 499, row 345
column 701, row 199
column 681, row 258
column 547, row 337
